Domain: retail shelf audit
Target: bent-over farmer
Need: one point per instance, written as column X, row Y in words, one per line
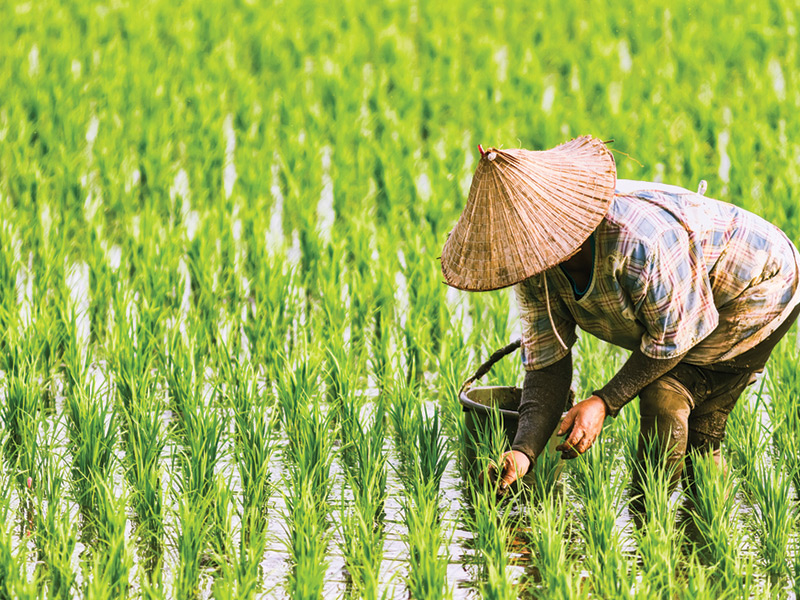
column 700, row 291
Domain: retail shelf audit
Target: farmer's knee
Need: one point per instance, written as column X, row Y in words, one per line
column 665, row 406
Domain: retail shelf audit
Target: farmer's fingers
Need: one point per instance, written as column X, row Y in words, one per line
column 509, row 475
column 576, row 436
column 585, row 444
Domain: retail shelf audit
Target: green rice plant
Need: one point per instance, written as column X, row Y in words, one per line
column 713, row 515
column 77, row 359
column 54, row 530
column 191, row 543
column 796, row 569
column 701, row 584
column 272, row 310
column 490, row 522
column 9, row 267
column 92, row 430
column 135, row 350
column 746, row 438
column 111, row 561
column 774, row 515
column 427, row 569
column 310, row 451
column 658, row 537
column 366, row 467
column 545, row 474
column 431, row 446
column 308, row 544
column 309, row 484
column 200, row 454
column 144, row 474
column 102, row 280
column 14, row 582
column 486, row 448
column 242, row 575
column 600, row 491
column 403, row 411
column 361, row 520
column 784, row 387
column 549, row 545
column 22, row 416
column 296, row 384
column 254, row 428
column 362, row 547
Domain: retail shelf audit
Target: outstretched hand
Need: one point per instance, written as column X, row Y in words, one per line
column 515, row 465
column 584, row 421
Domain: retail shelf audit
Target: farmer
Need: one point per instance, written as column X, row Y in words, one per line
column 698, row 290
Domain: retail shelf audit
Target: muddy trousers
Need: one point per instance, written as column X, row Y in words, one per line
column 687, row 408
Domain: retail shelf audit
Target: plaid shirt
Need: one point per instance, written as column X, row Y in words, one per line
column 674, row 272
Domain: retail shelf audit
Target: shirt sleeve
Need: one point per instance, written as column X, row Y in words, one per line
column 674, row 301
column 540, row 346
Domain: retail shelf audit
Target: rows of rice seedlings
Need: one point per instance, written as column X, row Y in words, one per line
column 270, row 179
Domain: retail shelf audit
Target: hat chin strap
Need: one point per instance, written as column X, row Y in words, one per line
column 550, row 314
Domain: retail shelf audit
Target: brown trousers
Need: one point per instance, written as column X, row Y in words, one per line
column 687, row 408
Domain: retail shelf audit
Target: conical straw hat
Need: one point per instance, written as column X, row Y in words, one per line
column 528, row 211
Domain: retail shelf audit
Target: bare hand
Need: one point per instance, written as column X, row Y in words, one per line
column 515, row 465
column 585, row 420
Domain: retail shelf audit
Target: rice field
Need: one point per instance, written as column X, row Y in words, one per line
column 229, row 364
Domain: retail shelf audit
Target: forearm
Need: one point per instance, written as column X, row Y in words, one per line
column 544, row 396
column 637, row 372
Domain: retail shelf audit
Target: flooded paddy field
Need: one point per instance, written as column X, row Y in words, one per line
column 229, row 366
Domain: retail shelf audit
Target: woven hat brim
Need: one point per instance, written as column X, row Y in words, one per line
column 527, row 211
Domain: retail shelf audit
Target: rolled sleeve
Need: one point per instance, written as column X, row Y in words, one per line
column 676, row 304
column 540, row 346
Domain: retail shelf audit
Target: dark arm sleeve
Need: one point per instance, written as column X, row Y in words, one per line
column 544, row 396
column 637, row 372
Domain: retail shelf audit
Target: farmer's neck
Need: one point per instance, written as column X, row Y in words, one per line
column 579, row 265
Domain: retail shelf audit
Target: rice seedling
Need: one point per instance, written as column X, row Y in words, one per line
column 362, row 543
column 549, row 542
column 14, row 580
column 600, row 490
column 796, row 569
column 254, row 444
column 784, row 388
column 713, row 515
column 490, row 523
column 134, row 353
column 92, row 430
column 309, row 458
column 22, row 415
column 110, row 563
column 143, row 471
column 403, row 413
column 54, row 529
column 745, row 437
column 296, row 386
column 427, row 568
column 191, row 543
column 658, row 536
column 775, row 515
